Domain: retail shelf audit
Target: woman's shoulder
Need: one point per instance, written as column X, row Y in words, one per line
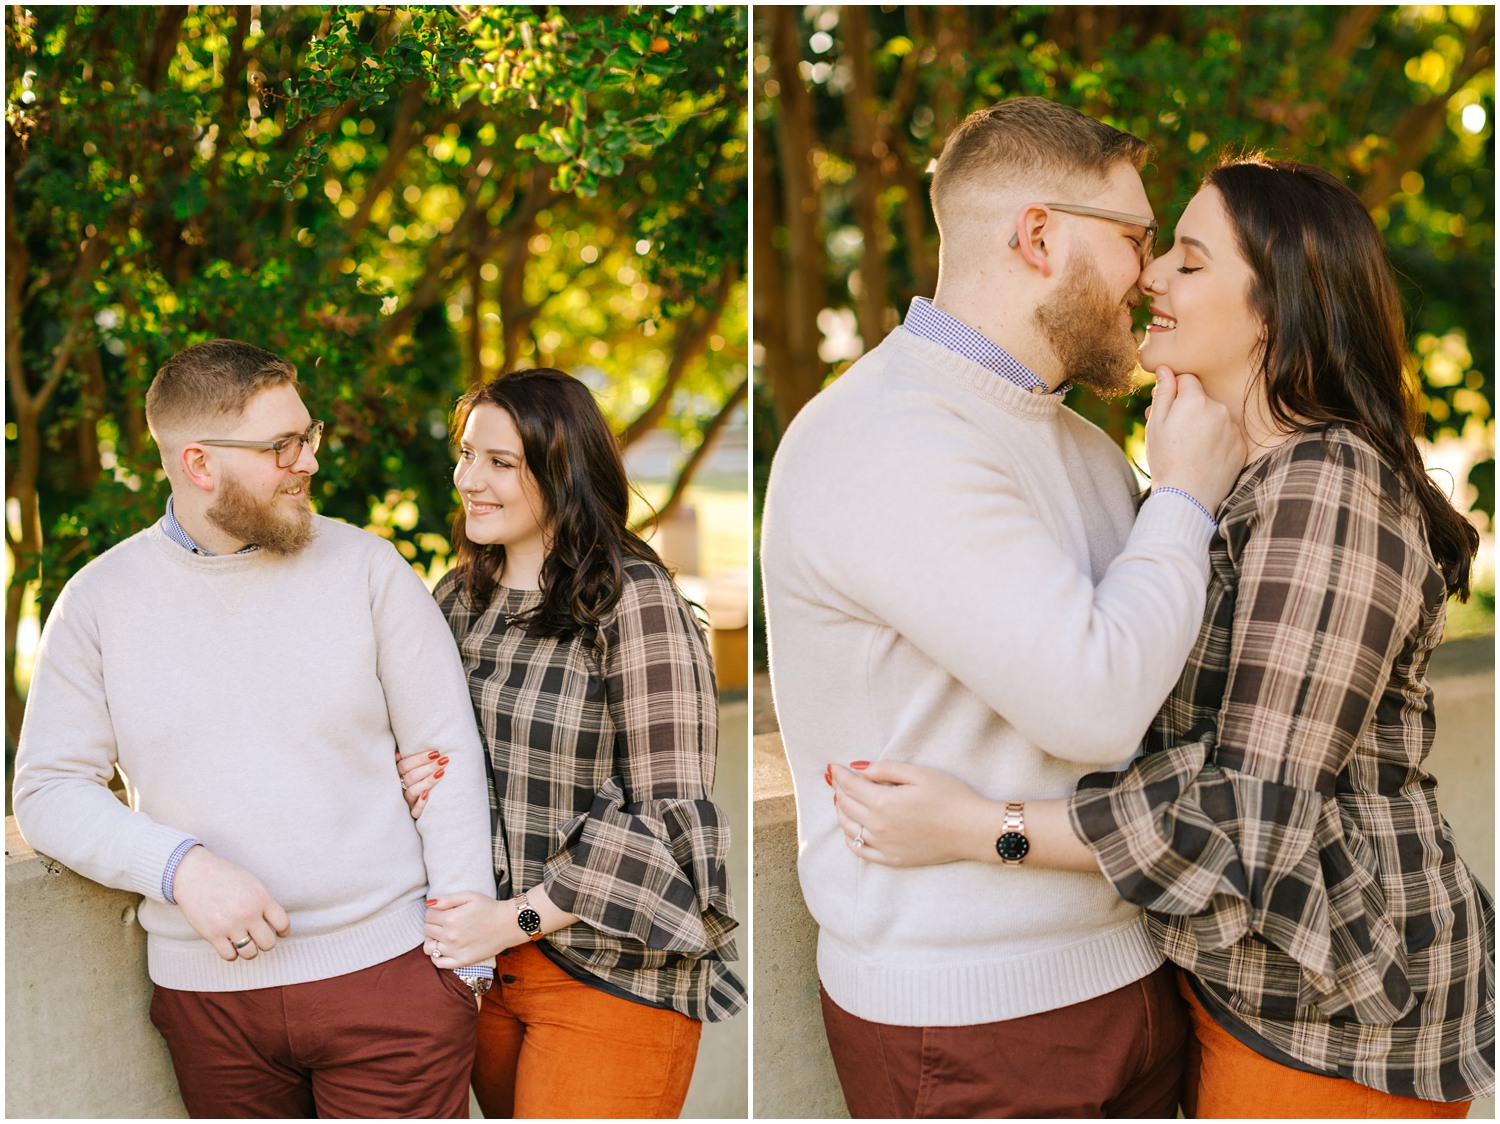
column 645, row 581
column 1325, row 461
column 1314, row 475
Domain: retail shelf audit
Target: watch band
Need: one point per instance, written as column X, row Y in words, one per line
column 1015, row 817
column 1013, row 846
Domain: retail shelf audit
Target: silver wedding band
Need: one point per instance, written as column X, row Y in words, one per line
column 243, row 944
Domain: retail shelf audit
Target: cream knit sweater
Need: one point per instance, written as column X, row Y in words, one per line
column 254, row 702
column 955, row 576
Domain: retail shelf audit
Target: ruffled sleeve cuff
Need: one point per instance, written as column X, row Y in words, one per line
column 653, row 872
column 1228, row 856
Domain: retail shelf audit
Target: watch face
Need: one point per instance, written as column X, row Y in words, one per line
column 1012, row 846
column 529, row 920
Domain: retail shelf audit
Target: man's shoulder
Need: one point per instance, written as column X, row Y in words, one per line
column 142, row 549
column 883, row 405
column 335, row 537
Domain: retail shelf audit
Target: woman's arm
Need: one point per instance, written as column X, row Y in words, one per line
column 912, row 815
column 468, row 928
column 646, row 860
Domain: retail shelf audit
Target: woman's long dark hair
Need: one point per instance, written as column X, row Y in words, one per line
column 1335, row 348
column 576, row 463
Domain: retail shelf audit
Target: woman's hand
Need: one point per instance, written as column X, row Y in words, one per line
column 420, row 773
column 468, row 928
column 912, row 815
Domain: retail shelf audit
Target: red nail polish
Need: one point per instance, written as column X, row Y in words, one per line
column 442, row 761
column 439, row 773
column 835, row 798
column 424, row 795
column 432, row 901
column 859, row 764
column 828, row 777
column 433, row 755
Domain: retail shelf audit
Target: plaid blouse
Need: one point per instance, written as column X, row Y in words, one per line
column 1279, row 829
column 601, row 767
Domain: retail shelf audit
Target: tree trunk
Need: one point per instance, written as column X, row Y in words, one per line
column 804, row 264
column 770, row 294
column 867, row 150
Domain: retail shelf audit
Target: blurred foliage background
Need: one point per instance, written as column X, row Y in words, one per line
column 402, row 201
column 852, row 104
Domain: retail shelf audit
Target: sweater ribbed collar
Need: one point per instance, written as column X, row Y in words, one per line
column 971, row 376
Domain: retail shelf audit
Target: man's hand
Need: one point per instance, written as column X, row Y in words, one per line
column 225, row 903
column 1192, row 441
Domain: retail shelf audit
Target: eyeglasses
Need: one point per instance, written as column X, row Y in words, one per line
column 1148, row 247
column 287, row 449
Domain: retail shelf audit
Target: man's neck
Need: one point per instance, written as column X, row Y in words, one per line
column 1007, row 328
column 206, row 535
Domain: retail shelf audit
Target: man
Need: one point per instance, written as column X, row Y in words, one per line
column 251, row 668
column 956, row 575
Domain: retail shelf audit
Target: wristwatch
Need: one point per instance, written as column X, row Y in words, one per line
column 477, row 984
column 1012, row 846
column 529, row 919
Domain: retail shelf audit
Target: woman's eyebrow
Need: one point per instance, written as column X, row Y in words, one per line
column 1188, row 240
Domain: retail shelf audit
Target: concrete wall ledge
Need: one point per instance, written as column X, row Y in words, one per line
column 794, row 1075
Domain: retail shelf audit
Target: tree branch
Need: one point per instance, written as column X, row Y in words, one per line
column 692, row 339
column 685, row 477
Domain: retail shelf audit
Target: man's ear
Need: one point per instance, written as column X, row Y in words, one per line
column 1030, row 238
column 197, row 468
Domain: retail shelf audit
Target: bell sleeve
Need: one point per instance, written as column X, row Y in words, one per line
column 1235, row 832
column 647, row 860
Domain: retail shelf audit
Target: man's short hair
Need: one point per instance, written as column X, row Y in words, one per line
column 1029, row 144
column 208, row 383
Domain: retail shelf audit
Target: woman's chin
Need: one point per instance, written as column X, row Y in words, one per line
column 1155, row 352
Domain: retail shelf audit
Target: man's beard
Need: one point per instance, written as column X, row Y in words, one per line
column 269, row 524
column 1081, row 322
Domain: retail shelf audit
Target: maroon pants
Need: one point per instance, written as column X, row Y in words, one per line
column 393, row 1040
column 1118, row 1055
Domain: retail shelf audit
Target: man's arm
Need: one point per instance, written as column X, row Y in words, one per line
column 63, row 805
column 427, row 697
column 953, row 555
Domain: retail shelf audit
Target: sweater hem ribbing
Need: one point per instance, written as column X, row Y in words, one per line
column 193, row 965
column 984, row 991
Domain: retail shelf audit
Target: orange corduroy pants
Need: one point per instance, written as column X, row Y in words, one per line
column 1227, row 1079
column 552, row 1046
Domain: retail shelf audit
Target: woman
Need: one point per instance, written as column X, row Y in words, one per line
column 595, row 695
column 1280, row 830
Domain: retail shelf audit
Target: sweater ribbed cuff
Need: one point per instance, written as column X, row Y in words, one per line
column 154, row 847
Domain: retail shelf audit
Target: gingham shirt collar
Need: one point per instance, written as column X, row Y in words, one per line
column 175, row 531
column 926, row 321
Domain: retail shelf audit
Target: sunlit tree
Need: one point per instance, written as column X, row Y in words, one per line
column 403, row 201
